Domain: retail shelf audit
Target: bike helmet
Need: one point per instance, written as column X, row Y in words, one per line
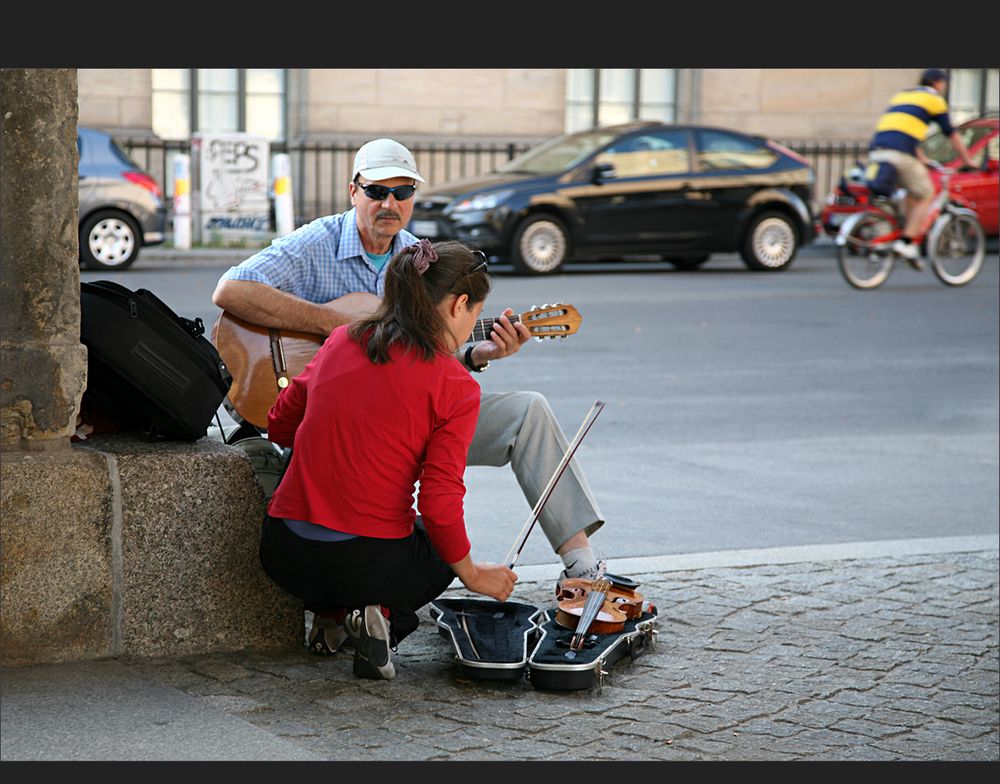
column 932, row 75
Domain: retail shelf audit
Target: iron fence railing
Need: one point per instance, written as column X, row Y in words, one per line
column 321, row 169
column 829, row 160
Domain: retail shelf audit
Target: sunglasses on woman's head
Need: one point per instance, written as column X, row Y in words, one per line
column 480, row 264
column 380, row 192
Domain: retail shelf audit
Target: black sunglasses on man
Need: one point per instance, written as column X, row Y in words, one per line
column 380, row 192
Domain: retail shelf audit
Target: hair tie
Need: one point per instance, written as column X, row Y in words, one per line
column 423, row 255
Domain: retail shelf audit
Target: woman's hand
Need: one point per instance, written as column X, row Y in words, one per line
column 491, row 580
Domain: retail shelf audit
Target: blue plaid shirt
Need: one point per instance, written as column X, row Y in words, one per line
column 320, row 261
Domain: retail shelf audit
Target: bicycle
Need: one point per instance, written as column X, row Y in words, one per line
column 955, row 244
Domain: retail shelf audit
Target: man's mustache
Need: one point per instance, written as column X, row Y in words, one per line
column 387, row 214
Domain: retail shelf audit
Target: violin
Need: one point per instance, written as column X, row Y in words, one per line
column 599, row 606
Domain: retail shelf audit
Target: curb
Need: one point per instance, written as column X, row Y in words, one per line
column 770, row 556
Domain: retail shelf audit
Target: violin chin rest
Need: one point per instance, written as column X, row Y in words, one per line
column 622, row 582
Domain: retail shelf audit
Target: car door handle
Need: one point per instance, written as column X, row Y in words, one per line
column 697, row 195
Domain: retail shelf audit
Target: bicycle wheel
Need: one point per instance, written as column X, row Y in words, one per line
column 957, row 250
column 863, row 265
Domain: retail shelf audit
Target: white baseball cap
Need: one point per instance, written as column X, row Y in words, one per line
column 383, row 159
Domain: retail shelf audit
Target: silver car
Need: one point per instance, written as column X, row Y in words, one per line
column 121, row 206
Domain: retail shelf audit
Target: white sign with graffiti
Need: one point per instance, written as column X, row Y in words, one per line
column 233, row 186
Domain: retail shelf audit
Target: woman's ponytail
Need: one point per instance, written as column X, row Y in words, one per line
column 417, row 279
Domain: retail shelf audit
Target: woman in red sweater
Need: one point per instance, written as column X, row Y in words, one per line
column 383, row 404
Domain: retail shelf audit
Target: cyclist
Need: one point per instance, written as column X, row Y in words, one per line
column 897, row 140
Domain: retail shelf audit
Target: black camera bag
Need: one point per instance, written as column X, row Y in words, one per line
column 148, row 369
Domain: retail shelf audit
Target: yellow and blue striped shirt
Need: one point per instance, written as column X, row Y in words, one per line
column 904, row 124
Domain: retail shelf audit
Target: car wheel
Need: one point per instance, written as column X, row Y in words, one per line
column 540, row 245
column 688, row 262
column 770, row 243
column 109, row 240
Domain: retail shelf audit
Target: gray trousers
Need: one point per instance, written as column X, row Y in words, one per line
column 519, row 428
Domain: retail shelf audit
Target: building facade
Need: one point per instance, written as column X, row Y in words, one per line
column 491, row 105
column 324, row 113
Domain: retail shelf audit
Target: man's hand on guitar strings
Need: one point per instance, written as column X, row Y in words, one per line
column 506, row 338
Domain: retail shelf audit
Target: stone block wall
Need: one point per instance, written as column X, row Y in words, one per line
column 119, row 547
column 801, row 103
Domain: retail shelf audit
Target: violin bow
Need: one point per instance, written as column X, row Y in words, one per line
column 522, row 537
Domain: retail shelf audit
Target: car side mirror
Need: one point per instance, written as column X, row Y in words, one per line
column 991, row 165
column 601, row 172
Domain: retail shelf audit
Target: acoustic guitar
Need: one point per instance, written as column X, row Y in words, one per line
column 264, row 360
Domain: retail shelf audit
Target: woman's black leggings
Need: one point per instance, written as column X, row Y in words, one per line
column 400, row 574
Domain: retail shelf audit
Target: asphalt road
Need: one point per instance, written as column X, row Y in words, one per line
column 744, row 410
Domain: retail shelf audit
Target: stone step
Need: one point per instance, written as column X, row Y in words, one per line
column 120, row 547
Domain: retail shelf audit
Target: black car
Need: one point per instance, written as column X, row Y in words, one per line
column 679, row 191
column 121, row 206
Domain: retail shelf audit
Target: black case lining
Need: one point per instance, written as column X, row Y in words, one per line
column 554, row 645
column 497, row 629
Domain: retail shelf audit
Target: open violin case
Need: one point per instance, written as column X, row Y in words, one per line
column 508, row 641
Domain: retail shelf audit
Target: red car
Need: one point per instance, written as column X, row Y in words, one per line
column 979, row 189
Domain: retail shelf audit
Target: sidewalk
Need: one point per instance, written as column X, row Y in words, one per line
column 872, row 651
column 166, row 252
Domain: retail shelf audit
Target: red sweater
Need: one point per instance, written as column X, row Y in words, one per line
column 363, row 434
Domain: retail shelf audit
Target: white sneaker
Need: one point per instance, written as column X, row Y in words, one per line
column 909, row 251
column 372, row 656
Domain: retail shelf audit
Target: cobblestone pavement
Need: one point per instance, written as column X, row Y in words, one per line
column 891, row 658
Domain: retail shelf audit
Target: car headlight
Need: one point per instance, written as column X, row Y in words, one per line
column 481, row 201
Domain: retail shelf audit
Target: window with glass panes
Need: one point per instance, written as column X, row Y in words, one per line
column 609, row 96
column 190, row 100
column 973, row 92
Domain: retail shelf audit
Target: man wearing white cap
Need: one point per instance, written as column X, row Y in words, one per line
column 332, row 271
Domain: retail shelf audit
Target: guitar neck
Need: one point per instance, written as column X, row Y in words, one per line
column 262, row 360
column 483, row 327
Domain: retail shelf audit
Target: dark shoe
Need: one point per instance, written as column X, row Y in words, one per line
column 372, row 655
column 326, row 636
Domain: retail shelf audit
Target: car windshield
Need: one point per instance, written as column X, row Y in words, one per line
column 559, row 154
column 938, row 147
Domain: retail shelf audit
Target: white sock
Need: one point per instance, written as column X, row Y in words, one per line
column 578, row 562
